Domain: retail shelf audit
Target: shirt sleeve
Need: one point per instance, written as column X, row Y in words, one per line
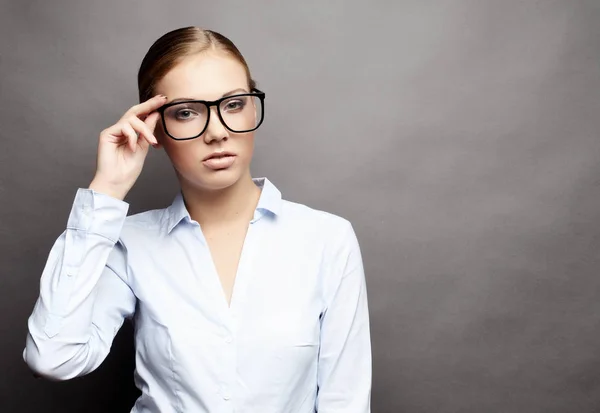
column 84, row 296
column 344, row 372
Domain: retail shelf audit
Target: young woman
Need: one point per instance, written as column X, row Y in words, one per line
column 241, row 301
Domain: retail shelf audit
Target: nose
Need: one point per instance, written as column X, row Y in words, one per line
column 215, row 130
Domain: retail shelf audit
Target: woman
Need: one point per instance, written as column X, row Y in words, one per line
column 241, row 301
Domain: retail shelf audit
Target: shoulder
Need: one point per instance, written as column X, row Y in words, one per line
column 334, row 230
column 308, row 215
column 147, row 224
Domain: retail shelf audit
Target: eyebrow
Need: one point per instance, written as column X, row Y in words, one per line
column 231, row 92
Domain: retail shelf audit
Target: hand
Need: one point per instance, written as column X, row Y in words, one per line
column 122, row 148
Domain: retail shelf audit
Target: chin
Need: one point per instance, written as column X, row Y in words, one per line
column 216, row 180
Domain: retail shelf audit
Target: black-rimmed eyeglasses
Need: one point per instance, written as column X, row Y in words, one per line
column 240, row 113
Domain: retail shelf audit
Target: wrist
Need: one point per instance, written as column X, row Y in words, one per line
column 116, row 191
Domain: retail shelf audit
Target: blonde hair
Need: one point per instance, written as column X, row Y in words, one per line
column 172, row 47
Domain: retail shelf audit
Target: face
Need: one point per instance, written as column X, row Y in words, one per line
column 207, row 76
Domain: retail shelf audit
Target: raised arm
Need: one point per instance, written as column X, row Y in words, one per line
column 84, row 293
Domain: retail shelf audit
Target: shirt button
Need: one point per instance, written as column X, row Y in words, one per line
column 228, row 339
column 226, row 394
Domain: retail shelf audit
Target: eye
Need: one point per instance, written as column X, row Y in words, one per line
column 184, row 114
column 234, row 105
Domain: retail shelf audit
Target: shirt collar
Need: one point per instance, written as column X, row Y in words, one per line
column 270, row 201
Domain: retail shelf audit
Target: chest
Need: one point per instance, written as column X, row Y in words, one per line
column 225, row 245
column 270, row 281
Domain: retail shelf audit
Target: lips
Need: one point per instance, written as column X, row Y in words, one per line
column 219, row 160
column 220, row 154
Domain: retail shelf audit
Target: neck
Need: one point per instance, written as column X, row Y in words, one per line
column 234, row 203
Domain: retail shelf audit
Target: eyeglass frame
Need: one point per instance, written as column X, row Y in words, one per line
column 209, row 103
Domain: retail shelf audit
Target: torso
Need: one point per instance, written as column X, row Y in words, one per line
column 192, row 349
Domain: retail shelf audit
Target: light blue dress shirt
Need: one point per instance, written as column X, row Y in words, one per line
column 294, row 339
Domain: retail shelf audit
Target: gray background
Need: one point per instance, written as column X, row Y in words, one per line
column 460, row 138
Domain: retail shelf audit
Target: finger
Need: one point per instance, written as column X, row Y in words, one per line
column 132, row 137
column 151, row 121
column 144, row 108
column 114, row 130
column 143, row 129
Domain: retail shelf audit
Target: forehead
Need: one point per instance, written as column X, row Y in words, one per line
column 203, row 76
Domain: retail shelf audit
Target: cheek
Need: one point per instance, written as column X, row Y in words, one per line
column 183, row 155
column 246, row 144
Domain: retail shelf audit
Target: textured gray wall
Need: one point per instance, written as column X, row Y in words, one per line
column 460, row 137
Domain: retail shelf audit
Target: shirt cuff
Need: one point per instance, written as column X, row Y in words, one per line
column 98, row 213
